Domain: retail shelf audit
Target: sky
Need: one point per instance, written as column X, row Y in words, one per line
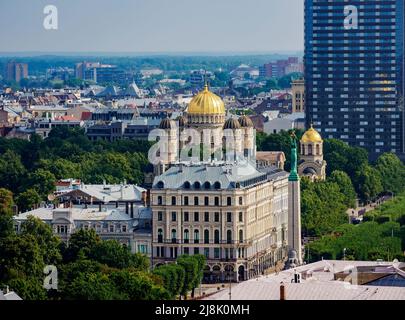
column 161, row 26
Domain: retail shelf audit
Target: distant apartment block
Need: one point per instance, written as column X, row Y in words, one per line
column 101, row 73
column 281, row 68
column 16, row 71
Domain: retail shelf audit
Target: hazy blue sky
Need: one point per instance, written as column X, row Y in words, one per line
column 153, row 26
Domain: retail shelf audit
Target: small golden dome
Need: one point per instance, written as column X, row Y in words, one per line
column 311, row 136
column 232, row 123
column 167, row 124
column 245, row 122
column 206, row 102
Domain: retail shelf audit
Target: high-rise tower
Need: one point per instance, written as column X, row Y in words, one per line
column 354, row 72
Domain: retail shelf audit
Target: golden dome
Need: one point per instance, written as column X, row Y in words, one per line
column 312, row 136
column 206, row 102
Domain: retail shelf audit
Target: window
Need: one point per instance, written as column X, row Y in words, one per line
column 216, row 201
column 196, row 216
column 111, row 228
column 124, row 228
column 61, row 229
column 206, row 201
column 186, row 236
column 217, row 185
column 240, row 201
column 240, row 216
column 174, row 236
column 207, row 252
column 174, row 216
column 196, row 250
column 217, row 252
column 196, row 201
column 186, row 216
column 228, row 201
column 197, row 185
column 216, row 236
column 143, row 248
column 196, row 236
column 186, row 201
column 173, row 201
column 186, row 251
column 160, row 216
column 241, row 236
column 160, row 202
column 187, row 185
column 160, row 235
column 216, row 216
column 206, row 216
column 206, row 236
column 229, row 236
column 229, row 217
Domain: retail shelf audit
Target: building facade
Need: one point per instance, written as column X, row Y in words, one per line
column 298, row 95
column 225, row 208
column 354, row 72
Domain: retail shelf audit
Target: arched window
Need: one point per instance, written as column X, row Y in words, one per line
column 160, row 185
column 229, row 236
column 196, row 236
column 310, row 149
column 186, row 236
column 207, row 185
column 160, row 235
column 318, row 150
column 206, row 236
column 217, row 185
column 197, row 185
column 240, row 201
column 187, row 185
column 216, row 236
column 241, row 236
column 303, row 149
column 174, row 236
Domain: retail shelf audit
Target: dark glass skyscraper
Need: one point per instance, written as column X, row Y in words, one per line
column 354, row 71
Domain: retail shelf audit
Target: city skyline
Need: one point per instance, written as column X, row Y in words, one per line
column 138, row 27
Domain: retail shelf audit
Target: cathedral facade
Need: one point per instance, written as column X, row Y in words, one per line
column 311, row 162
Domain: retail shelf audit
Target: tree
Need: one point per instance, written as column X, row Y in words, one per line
column 115, row 255
column 342, row 157
column 28, row 288
column 6, row 213
column 20, row 256
column 48, row 243
column 193, row 267
column 392, row 172
column 368, row 183
column 91, row 286
column 11, row 171
column 27, row 200
column 42, row 181
column 323, row 208
column 173, row 276
column 346, row 187
column 137, row 285
column 83, row 241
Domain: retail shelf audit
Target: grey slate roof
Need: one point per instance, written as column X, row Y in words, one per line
column 230, row 176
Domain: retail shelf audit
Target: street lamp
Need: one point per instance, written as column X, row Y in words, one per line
column 344, row 254
column 230, row 285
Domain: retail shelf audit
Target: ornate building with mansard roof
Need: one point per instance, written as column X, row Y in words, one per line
column 226, row 208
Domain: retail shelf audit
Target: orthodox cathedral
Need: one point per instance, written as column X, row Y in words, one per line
column 239, row 215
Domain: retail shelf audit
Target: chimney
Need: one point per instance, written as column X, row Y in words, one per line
column 282, row 292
